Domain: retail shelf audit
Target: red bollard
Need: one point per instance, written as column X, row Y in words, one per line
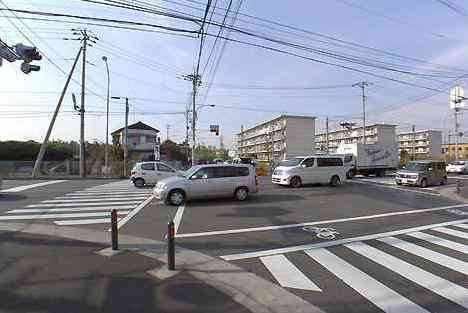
column 114, row 233
column 171, row 246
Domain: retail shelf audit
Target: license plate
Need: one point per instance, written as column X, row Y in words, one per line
column 404, row 180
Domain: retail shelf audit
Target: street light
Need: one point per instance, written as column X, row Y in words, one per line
column 125, row 133
column 195, row 117
column 106, row 157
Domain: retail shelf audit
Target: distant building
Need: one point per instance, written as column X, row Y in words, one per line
column 382, row 133
column 448, row 151
column 421, row 143
column 283, row 137
column 141, row 140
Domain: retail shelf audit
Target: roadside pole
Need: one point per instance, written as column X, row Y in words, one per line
column 40, row 155
column 82, row 110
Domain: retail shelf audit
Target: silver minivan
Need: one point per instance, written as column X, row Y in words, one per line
column 208, row 181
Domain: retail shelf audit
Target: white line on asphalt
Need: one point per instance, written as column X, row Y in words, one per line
column 46, row 205
column 436, row 284
column 440, row 241
column 134, row 212
column 83, row 222
column 458, row 177
column 464, row 226
column 383, row 297
column 452, row 232
column 49, row 216
column 287, row 274
column 92, row 199
column 396, row 188
column 108, row 193
column 99, row 196
column 97, row 208
column 325, row 244
column 347, row 219
column 178, row 217
column 26, row 187
column 438, row 258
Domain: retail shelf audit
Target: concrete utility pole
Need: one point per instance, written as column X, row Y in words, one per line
column 82, row 109
column 363, row 86
column 457, row 127
column 40, row 155
column 168, row 127
column 106, row 151
column 326, row 136
column 413, row 146
column 125, row 139
column 196, row 82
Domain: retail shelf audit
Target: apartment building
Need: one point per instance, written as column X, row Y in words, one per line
column 283, row 137
column 374, row 133
column 421, row 143
column 448, row 151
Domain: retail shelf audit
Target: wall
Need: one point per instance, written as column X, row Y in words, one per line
column 299, row 131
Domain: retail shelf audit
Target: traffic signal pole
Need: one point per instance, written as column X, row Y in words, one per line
column 40, row 155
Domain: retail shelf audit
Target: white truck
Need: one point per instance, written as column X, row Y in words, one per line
column 369, row 159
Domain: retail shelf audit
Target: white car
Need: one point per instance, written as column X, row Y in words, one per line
column 208, row 181
column 459, row 167
column 314, row 169
column 149, row 173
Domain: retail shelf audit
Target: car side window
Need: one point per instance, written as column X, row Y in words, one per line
column 220, row 172
column 309, row 162
column 203, row 173
column 164, row 168
column 147, row 166
column 242, row 171
column 348, row 158
column 325, row 162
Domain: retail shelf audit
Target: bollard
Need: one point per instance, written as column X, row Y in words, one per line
column 459, row 185
column 170, row 246
column 114, row 233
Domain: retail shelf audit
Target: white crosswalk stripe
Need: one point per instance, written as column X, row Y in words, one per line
column 84, row 207
column 386, row 294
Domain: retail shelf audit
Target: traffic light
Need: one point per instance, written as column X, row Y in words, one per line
column 28, row 68
column 7, row 53
column 27, row 53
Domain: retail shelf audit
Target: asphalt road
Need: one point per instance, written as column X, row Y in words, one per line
column 394, row 249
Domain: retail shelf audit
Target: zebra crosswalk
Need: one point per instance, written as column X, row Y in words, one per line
column 88, row 206
column 403, row 273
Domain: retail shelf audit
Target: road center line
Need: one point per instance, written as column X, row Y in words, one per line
column 26, row 187
column 276, row 227
column 326, row 244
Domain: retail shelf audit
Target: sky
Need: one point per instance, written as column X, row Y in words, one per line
column 250, row 84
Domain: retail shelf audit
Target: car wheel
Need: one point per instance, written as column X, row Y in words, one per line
column 423, row 183
column 176, row 197
column 295, row 182
column 241, row 194
column 139, row 182
column 334, row 181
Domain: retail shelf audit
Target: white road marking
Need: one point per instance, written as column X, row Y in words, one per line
column 452, row 232
column 396, row 188
column 46, row 205
column 107, row 193
column 440, row 286
column 347, row 219
column 383, row 297
column 440, row 241
column 53, row 216
column 287, row 274
column 435, row 257
column 92, row 199
column 464, row 226
column 98, row 208
column 83, row 222
column 134, row 212
column 178, row 217
column 100, row 196
column 325, row 244
column 26, row 187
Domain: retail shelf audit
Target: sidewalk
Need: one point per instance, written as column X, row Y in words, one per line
column 41, row 273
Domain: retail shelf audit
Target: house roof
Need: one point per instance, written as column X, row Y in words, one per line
column 137, row 125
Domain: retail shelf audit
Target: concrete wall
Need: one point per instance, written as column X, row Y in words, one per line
column 300, row 136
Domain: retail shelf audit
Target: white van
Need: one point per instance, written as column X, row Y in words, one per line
column 314, row 169
column 149, row 173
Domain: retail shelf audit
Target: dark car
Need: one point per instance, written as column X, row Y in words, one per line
column 422, row 173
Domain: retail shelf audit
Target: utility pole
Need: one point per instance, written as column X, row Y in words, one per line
column 125, row 139
column 196, row 82
column 363, row 86
column 167, row 131
column 413, row 146
column 106, row 152
column 457, row 126
column 326, row 137
column 40, row 155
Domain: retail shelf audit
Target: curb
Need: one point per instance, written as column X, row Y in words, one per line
column 251, row 291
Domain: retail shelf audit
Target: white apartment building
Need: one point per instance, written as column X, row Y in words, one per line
column 374, row 133
column 421, row 143
column 283, row 137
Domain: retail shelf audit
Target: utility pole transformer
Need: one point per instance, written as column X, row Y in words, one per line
column 363, row 86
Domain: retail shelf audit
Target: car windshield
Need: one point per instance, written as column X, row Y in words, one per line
column 414, row 166
column 458, row 163
column 291, row 162
column 190, row 171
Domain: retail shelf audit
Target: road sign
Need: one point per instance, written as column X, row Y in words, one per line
column 457, row 97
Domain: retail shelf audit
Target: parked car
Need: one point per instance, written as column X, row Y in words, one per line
column 422, row 173
column 457, row 167
column 314, row 169
column 208, row 181
column 149, row 173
